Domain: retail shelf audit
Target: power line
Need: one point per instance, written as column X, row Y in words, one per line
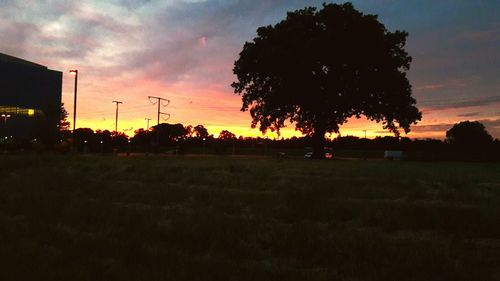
column 128, row 109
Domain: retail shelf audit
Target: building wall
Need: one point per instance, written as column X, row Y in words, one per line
column 31, row 94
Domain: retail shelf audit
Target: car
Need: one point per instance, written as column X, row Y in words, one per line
column 328, row 155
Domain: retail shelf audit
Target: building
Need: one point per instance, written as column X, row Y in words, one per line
column 30, row 100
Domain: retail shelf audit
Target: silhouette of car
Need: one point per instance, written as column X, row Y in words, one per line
column 328, row 155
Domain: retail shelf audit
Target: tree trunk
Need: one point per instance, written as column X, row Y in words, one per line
column 319, row 142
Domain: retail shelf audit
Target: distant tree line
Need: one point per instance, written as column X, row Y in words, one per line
column 464, row 141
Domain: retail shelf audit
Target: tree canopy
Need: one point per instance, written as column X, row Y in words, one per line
column 200, row 132
column 170, row 132
column 226, row 135
column 470, row 134
column 318, row 68
column 63, row 120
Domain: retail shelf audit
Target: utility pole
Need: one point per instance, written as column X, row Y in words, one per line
column 147, row 123
column 159, row 102
column 116, row 117
column 365, row 133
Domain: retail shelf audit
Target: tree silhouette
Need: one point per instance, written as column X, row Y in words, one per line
column 169, row 133
column 226, row 135
column 83, row 137
column 200, row 132
column 469, row 134
column 318, row 68
column 142, row 137
column 63, row 121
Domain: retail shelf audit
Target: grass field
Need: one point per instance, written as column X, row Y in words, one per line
column 236, row 218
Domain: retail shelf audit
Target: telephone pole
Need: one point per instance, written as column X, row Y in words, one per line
column 116, row 117
column 159, row 101
column 147, row 123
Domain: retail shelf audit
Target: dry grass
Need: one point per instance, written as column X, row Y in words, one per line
column 223, row 218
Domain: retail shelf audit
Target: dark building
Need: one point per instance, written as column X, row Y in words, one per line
column 30, row 100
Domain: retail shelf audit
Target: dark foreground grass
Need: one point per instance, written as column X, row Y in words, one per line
column 175, row 218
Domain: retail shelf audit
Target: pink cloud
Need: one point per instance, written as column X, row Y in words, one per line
column 202, row 41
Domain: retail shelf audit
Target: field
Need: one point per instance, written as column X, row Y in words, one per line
column 246, row 218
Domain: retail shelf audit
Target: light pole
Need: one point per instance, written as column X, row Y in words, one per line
column 74, row 71
column 116, row 117
column 147, row 123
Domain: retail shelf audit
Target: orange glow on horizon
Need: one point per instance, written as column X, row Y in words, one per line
column 349, row 129
column 214, row 107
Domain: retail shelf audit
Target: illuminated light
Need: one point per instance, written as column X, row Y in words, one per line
column 9, row 111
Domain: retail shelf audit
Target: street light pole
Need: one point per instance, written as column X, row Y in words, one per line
column 74, row 71
column 116, row 117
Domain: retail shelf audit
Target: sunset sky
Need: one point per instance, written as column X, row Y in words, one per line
column 184, row 51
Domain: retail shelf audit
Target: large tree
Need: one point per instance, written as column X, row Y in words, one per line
column 169, row 133
column 318, row 68
column 469, row 134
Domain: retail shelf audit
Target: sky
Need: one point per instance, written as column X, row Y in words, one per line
column 184, row 51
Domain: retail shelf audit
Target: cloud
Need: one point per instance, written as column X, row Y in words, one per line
column 439, row 104
column 495, row 123
column 15, row 36
column 190, row 39
column 484, row 36
column 470, row 114
column 431, row 128
column 449, row 84
column 492, row 126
